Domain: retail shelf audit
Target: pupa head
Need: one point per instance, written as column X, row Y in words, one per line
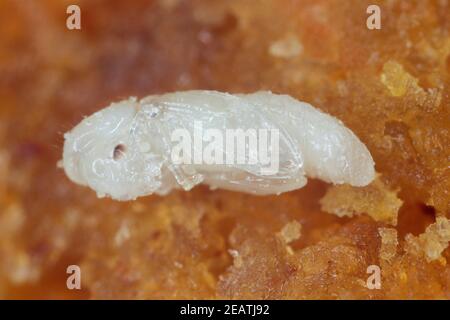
column 108, row 152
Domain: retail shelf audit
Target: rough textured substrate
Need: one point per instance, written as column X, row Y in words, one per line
column 390, row 86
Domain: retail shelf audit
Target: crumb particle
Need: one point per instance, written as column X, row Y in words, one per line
column 432, row 242
column 376, row 200
column 290, row 232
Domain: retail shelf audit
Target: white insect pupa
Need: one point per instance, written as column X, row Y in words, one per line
column 126, row 150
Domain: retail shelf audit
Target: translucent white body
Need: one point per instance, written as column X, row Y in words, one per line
column 124, row 150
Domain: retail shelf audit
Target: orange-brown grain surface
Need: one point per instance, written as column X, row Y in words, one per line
column 390, row 86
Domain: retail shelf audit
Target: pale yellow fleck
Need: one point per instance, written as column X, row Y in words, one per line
column 403, row 277
column 397, row 80
column 361, row 282
column 289, row 250
column 23, row 270
column 12, row 219
column 122, row 234
column 389, row 243
column 237, row 259
column 287, row 47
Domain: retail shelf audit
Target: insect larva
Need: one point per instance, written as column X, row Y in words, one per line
column 127, row 149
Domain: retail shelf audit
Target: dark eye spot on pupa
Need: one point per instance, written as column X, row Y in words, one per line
column 119, row 151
